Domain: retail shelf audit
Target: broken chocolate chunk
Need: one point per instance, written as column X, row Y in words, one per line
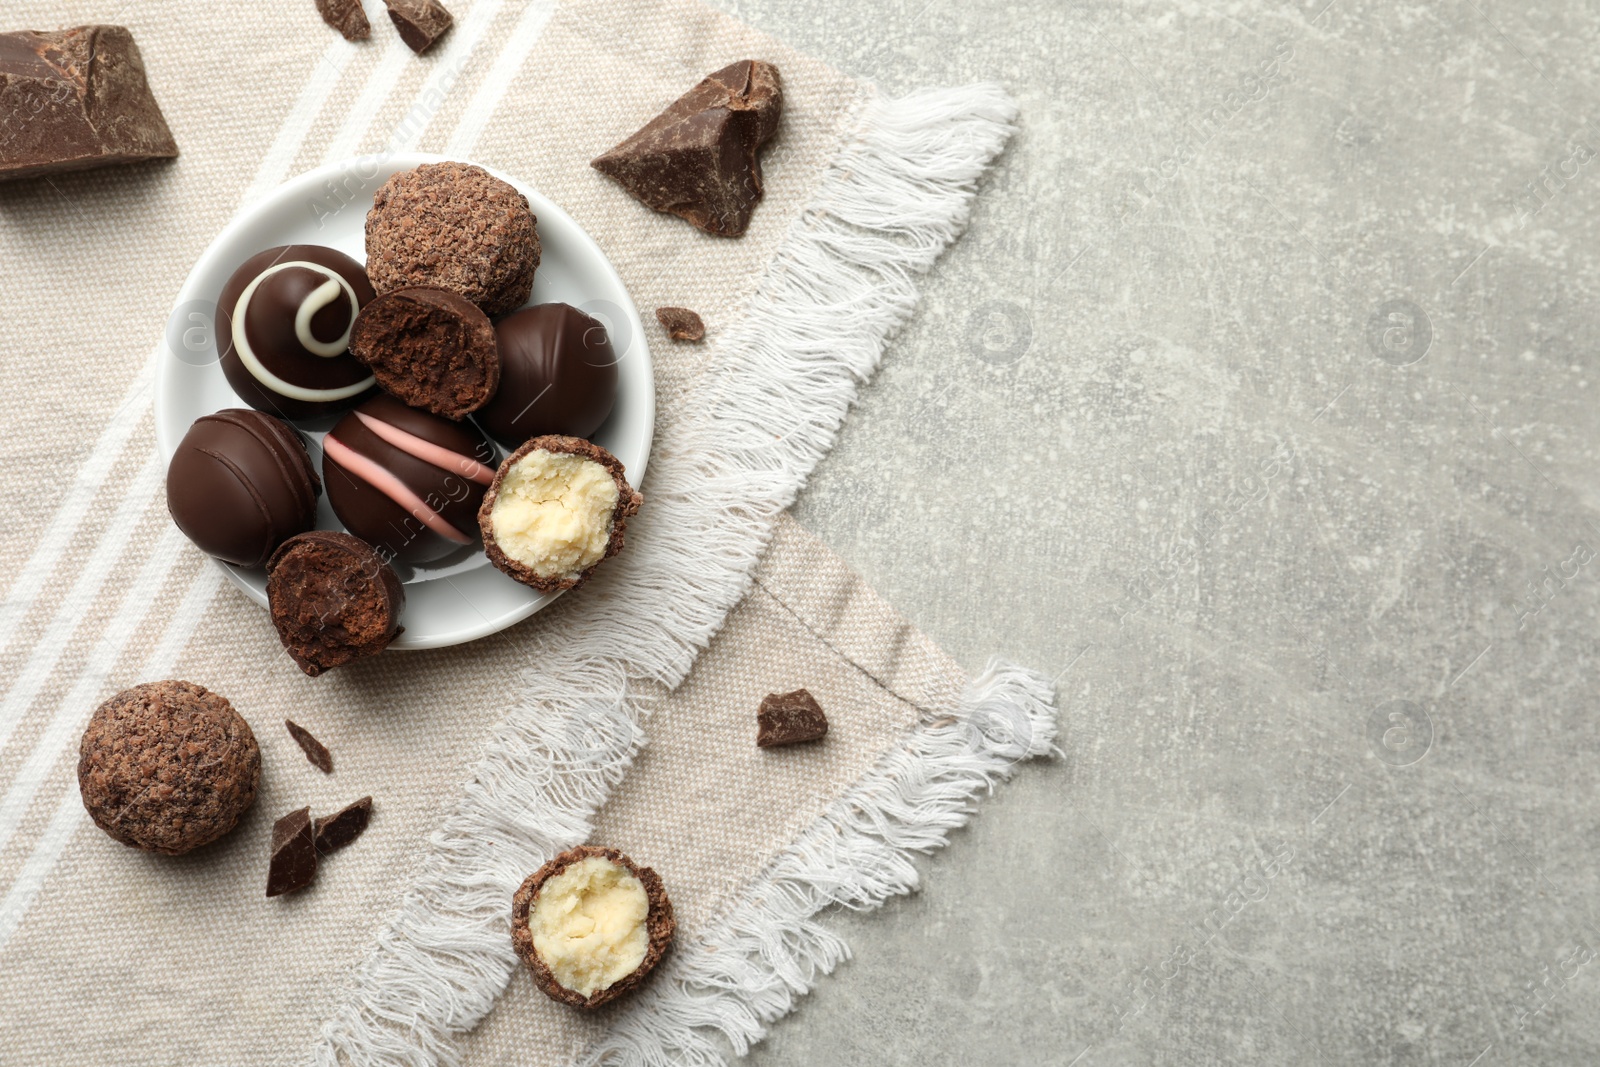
column 294, row 854
column 790, row 718
column 420, row 22
column 346, row 16
column 681, row 324
column 343, row 826
column 75, row 99
column 315, row 750
column 699, row 159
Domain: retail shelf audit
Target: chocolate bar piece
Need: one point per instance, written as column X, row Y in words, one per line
column 75, row 99
column 420, row 22
column 681, row 324
column 699, row 159
column 346, row 16
column 315, row 750
column 294, row 854
column 789, row 719
column 343, row 826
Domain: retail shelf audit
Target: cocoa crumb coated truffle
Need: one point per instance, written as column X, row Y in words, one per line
column 167, row 767
column 333, row 599
column 591, row 925
column 430, row 349
column 557, row 507
column 457, row 227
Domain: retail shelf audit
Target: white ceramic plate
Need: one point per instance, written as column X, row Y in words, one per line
column 462, row 597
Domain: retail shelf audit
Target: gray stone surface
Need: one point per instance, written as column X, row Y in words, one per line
column 1295, row 487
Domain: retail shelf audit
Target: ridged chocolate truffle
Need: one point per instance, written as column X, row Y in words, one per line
column 457, row 227
column 558, row 375
column 240, row 484
column 167, row 767
column 283, row 331
column 407, row 482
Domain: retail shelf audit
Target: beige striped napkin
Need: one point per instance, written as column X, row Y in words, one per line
column 487, row 757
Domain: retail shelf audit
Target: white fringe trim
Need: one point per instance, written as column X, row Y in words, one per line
column 786, row 375
column 748, row 968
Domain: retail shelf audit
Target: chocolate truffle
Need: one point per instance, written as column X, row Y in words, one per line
column 591, row 925
column 558, row 374
column 283, row 329
column 333, row 600
column 556, row 508
column 407, row 482
column 700, row 158
column 240, row 484
column 167, row 767
column 457, row 227
column 431, row 348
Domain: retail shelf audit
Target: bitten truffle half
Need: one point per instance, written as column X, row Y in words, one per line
column 333, row 600
column 167, row 767
column 591, row 925
column 557, row 507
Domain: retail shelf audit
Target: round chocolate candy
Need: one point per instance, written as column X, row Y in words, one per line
column 407, row 482
column 558, row 375
column 240, row 484
column 283, row 328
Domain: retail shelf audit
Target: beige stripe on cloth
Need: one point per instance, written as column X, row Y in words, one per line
column 133, row 958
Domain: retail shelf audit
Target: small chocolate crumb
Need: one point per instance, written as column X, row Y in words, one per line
column 346, row 16
column 315, row 750
column 294, row 854
column 681, row 324
column 343, row 826
column 420, row 22
column 790, row 718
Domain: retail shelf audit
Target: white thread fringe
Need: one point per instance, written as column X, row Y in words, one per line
column 842, row 282
column 751, row 965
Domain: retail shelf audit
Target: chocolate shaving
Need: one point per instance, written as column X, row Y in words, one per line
column 420, row 22
column 789, row 719
column 75, row 99
column 315, row 750
column 294, row 854
column 346, row 16
column 343, row 826
column 681, row 324
column 699, row 159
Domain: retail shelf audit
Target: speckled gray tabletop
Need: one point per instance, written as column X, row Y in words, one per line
column 1257, row 403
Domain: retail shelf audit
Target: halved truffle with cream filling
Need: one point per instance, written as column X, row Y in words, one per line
column 591, row 925
column 556, row 508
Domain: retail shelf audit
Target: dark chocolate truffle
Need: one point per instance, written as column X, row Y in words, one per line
column 591, row 925
column 407, row 482
column 431, row 348
column 167, row 767
column 240, row 484
column 457, row 227
column 283, row 329
column 700, row 158
column 558, row 506
column 558, row 374
column 333, row 599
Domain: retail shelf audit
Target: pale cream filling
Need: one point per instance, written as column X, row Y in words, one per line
column 553, row 513
column 589, row 925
